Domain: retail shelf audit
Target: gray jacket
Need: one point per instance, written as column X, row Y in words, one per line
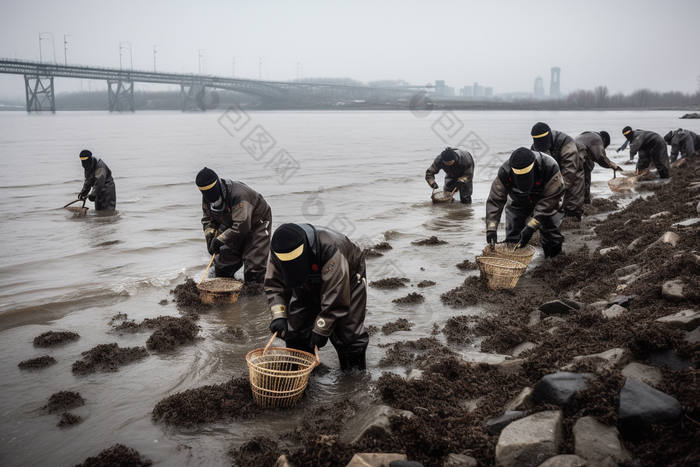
column 245, row 208
column 682, row 141
column 565, row 152
column 99, row 182
column 591, row 146
column 463, row 167
column 545, row 197
column 337, row 267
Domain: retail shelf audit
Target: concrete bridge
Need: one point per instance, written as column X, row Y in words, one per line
column 40, row 94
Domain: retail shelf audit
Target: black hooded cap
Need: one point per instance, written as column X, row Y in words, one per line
column 605, row 136
column 86, row 158
column 210, row 185
column 541, row 136
column 628, row 133
column 668, row 137
column 448, row 156
column 522, row 164
column 291, row 247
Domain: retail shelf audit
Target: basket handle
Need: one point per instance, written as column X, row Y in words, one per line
column 207, row 270
column 269, row 343
column 318, row 360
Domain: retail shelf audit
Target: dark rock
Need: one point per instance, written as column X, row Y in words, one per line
column 559, row 307
column 405, row 464
column 559, row 388
column 622, row 300
column 642, row 406
column 497, row 424
column 671, row 359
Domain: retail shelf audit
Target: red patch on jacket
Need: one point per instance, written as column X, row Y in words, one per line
column 314, row 267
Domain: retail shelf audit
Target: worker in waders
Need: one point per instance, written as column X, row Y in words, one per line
column 563, row 149
column 651, row 147
column 591, row 146
column 530, row 186
column 683, row 142
column 99, row 184
column 317, row 290
column 459, row 173
column 237, row 222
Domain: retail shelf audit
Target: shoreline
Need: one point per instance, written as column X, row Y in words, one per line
column 444, row 410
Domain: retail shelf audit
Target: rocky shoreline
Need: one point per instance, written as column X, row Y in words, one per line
column 591, row 361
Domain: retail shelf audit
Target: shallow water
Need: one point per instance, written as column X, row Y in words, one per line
column 359, row 172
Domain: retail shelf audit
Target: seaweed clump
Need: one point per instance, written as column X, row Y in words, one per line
column 36, row 363
column 390, row 283
column 64, row 400
column 51, row 338
column 107, row 357
column 232, row 399
column 117, row 455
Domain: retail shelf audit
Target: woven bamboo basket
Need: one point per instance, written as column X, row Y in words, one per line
column 279, row 375
column 508, row 251
column 219, row 290
column 442, row 197
column 620, row 184
column 78, row 212
column 500, row 273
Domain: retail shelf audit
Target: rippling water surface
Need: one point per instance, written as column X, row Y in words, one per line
column 359, row 172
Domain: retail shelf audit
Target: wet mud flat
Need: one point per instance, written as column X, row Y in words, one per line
column 609, row 290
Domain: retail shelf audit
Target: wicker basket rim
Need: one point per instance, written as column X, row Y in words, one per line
column 495, row 260
column 220, row 285
column 509, row 248
column 313, row 362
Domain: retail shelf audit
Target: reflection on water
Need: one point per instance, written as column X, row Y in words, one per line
column 363, row 174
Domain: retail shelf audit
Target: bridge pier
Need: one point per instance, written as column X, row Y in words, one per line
column 39, row 90
column 121, row 95
column 192, row 96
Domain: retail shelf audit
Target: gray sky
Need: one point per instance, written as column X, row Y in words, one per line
column 625, row 45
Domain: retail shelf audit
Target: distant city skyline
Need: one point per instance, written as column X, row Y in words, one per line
column 505, row 45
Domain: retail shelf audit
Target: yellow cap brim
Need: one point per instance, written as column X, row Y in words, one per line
column 292, row 255
column 205, row 188
column 523, row 171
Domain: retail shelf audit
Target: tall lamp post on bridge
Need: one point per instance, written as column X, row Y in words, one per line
column 260, row 70
column 233, row 74
column 65, row 48
column 154, row 56
column 131, row 58
column 41, row 38
column 200, row 61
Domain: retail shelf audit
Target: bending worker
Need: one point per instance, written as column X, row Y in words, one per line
column 459, row 173
column 592, row 146
column 562, row 148
column 651, row 147
column 237, row 222
column 682, row 141
column 317, row 290
column 528, row 184
column 99, row 184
